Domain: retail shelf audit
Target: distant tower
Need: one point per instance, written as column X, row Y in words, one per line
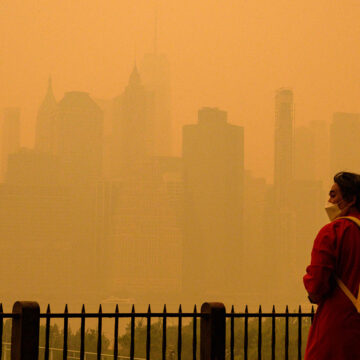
column 345, row 143
column 282, row 224
column 284, row 123
column 304, row 154
column 10, row 136
column 321, row 130
column 132, row 125
column 44, row 140
column 155, row 74
column 213, row 156
column 78, row 136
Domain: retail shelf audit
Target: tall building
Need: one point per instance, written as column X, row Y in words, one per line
column 284, row 122
column 78, row 137
column 33, row 168
column 10, row 136
column 106, row 105
column 155, row 73
column 140, row 246
column 132, row 126
column 282, row 227
column 213, row 155
column 44, row 137
column 304, row 149
column 256, row 244
column 43, row 220
column 320, row 131
column 345, row 143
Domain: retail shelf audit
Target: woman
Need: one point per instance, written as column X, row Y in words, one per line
column 335, row 270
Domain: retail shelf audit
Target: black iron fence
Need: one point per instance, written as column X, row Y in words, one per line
column 217, row 331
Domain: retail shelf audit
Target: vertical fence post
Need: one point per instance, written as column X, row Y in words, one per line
column 212, row 331
column 25, row 331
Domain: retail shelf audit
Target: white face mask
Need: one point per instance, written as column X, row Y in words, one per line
column 332, row 210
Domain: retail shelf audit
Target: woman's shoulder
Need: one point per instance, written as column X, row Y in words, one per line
column 341, row 224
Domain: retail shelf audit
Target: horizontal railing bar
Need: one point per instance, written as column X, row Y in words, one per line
column 275, row 315
column 120, row 315
column 9, row 316
column 168, row 315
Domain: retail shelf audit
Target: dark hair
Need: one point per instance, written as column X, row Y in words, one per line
column 349, row 184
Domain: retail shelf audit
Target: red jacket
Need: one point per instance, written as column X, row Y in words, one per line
column 335, row 332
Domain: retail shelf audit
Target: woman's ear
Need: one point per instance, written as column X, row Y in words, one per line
column 353, row 201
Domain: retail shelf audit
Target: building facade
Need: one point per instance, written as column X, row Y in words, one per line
column 213, row 155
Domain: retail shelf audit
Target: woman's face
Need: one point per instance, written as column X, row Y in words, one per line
column 335, row 196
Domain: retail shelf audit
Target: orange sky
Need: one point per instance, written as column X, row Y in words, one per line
column 232, row 54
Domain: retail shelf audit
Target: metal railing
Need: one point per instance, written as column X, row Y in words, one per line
column 116, row 316
column 273, row 315
column 213, row 324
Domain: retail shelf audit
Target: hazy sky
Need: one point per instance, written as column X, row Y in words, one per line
column 230, row 54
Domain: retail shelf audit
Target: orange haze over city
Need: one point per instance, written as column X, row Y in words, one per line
column 227, row 54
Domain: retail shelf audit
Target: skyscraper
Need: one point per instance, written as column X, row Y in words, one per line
column 145, row 234
column 78, row 137
column 345, row 143
column 284, row 122
column 282, row 223
column 44, row 137
column 155, row 73
column 213, row 155
column 304, row 149
column 132, row 126
column 10, row 135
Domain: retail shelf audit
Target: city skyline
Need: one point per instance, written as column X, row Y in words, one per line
column 153, row 210
column 49, row 104
column 172, row 151
column 231, row 55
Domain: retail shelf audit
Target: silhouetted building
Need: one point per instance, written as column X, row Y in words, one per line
column 107, row 108
column 10, row 136
column 281, row 231
column 133, row 129
column 78, row 137
column 213, row 155
column 33, row 168
column 155, row 73
column 47, row 231
column 44, row 137
column 256, row 244
column 140, row 248
column 345, row 143
column 284, row 122
column 304, row 148
column 320, row 131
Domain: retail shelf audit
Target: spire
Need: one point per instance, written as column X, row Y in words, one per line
column 49, row 100
column 43, row 140
column 135, row 76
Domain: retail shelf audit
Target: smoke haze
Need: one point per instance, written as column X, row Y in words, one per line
column 176, row 144
column 231, row 54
